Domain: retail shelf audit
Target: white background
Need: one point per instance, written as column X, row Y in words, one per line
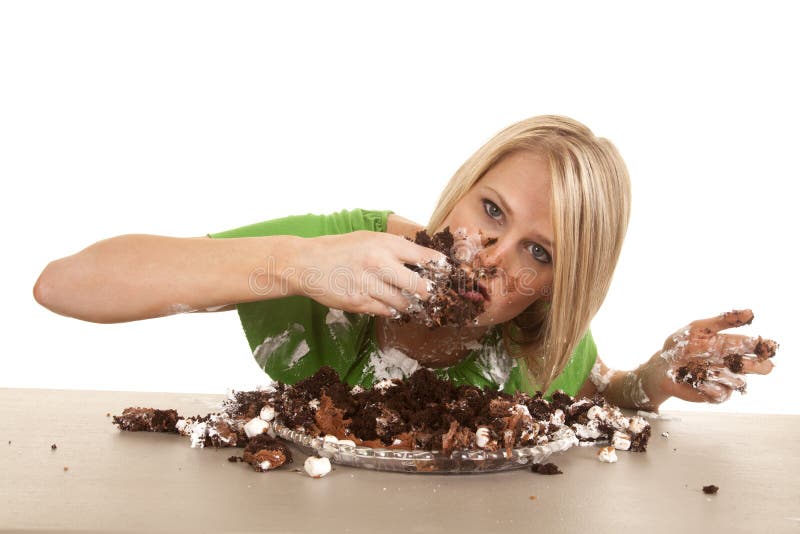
column 181, row 119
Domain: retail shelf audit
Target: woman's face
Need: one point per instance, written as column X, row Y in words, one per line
column 511, row 203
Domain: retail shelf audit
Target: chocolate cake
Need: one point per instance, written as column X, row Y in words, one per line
column 422, row 412
column 457, row 285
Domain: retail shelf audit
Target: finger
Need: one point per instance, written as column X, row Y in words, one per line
column 725, row 344
column 728, row 378
column 756, row 366
column 410, row 252
column 394, row 299
column 714, row 392
column 409, row 283
column 729, row 319
column 765, row 348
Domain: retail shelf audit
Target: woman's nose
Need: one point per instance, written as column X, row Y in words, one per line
column 492, row 255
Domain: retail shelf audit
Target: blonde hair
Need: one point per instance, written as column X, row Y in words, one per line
column 590, row 206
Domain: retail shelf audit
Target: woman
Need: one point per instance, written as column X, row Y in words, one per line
column 551, row 198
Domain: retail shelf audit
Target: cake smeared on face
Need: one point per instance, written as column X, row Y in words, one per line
column 458, row 285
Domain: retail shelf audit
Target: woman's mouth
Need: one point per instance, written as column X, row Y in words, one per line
column 478, row 293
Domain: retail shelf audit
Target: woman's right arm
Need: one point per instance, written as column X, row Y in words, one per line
column 138, row 276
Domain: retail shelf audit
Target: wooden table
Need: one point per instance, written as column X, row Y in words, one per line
column 99, row 478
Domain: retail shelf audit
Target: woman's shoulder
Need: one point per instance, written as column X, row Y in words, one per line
column 397, row 225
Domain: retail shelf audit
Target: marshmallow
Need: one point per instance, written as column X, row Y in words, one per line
column 621, row 441
column 330, row 441
column 607, row 454
column 255, row 427
column 482, row 436
column 267, row 413
column 637, row 424
column 317, row 467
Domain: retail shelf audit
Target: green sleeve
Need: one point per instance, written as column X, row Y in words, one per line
column 292, row 337
column 311, row 225
column 571, row 378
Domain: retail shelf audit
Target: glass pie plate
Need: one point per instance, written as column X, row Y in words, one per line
column 421, row 461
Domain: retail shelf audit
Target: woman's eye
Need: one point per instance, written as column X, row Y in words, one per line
column 491, row 209
column 539, row 253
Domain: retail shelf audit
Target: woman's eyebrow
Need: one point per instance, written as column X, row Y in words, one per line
column 543, row 240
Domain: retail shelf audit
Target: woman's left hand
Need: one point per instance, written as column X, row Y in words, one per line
column 699, row 364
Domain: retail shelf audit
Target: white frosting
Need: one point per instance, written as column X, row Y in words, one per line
column 356, row 390
column 607, row 454
column 384, row 384
column 330, row 441
column 179, row 308
column 590, row 430
column 391, row 363
column 482, row 436
column 266, row 465
column 314, row 404
column 347, row 443
column 317, row 467
column 301, row 350
column 621, row 441
column 181, row 426
column 557, row 418
column 255, row 426
column 600, row 380
column 495, row 363
column 271, row 344
column 336, row 317
column 198, row 433
column 267, row 413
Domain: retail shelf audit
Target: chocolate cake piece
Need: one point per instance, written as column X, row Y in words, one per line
column 425, row 412
column 265, row 453
column 146, row 420
column 458, row 285
column 546, row 469
column 422, row 412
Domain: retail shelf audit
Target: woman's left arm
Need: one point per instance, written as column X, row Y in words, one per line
column 697, row 363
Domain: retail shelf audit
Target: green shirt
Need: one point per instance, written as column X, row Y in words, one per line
column 292, row 337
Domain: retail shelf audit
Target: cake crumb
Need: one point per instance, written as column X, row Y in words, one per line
column 235, row 458
column 546, row 469
column 66, row 468
column 532, row 497
column 108, row 414
column 711, row 489
column 665, row 434
column 53, row 447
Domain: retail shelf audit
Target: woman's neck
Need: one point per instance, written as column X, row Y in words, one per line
column 438, row 347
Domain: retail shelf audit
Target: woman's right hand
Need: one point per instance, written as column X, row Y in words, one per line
column 361, row 272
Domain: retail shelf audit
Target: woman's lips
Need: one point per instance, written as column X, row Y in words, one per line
column 479, row 294
column 484, row 292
